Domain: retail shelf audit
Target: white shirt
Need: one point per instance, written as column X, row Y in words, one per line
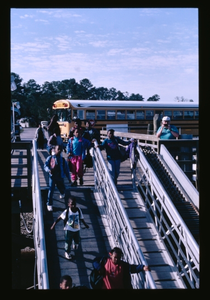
column 73, row 222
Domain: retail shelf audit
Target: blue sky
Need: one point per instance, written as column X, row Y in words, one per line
column 136, row 50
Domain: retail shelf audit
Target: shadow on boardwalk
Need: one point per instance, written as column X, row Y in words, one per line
column 94, row 241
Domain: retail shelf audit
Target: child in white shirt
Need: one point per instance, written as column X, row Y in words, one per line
column 72, row 217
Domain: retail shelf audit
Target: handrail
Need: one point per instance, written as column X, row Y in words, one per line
column 169, row 223
column 118, row 219
column 154, row 142
column 39, row 236
column 191, row 193
column 143, row 139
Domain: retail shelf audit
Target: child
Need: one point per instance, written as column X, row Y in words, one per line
column 71, row 217
column 55, row 139
column 116, row 272
column 57, row 168
column 65, row 282
column 113, row 153
column 76, row 152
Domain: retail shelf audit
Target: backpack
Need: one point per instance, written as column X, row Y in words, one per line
column 96, row 275
column 123, row 153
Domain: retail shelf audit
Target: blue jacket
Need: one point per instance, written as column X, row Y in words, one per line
column 61, row 170
column 77, row 146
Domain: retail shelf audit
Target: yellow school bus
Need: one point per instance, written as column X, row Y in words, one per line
column 136, row 116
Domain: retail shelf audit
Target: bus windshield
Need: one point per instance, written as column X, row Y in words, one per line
column 64, row 115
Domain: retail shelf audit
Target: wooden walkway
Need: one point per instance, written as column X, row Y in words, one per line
column 152, row 247
column 95, row 241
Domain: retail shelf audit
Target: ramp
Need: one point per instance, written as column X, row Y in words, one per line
column 162, row 268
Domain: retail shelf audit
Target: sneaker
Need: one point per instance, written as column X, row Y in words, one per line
column 81, row 181
column 75, row 246
column 62, row 196
column 49, row 208
column 68, row 256
column 74, row 183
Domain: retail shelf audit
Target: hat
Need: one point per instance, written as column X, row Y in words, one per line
column 166, row 118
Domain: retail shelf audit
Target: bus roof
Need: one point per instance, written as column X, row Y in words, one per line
column 129, row 104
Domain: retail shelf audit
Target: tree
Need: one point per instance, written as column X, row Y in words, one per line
column 136, row 97
column 68, row 88
column 182, row 99
column 154, row 98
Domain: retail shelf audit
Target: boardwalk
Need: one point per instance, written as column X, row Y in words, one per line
column 96, row 241
column 153, row 249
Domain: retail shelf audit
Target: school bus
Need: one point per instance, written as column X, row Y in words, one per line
column 137, row 116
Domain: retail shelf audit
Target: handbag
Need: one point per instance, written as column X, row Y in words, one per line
column 123, row 153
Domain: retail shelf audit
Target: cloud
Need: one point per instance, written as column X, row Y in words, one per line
column 60, row 13
column 42, row 21
column 63, row 42
column 26, row 16
column 99, row 44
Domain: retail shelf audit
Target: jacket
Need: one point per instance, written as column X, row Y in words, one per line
column 127, row 270
column 61, row 171
column 77, row 146
column 111, row 146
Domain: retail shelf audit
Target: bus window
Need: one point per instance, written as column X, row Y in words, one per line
column 110, row 114
column 140, row 114
column 188, row 114
column 100, row 114
column 79, row 114
column 62, row 115
column 149, row 114
column 196, row 114
column 131, row 114
column 90, row 114
column 178, row 114
column 168, row 113
column 121, row 114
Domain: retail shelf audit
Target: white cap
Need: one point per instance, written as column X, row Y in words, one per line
column 166, row 118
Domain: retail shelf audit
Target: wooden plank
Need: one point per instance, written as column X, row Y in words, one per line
column 94, row 241
column 135, row 213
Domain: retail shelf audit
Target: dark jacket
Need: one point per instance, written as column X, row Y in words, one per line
column 111, row 146
column 128, row 269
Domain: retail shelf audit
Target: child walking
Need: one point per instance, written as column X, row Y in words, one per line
column 72, row 217
column 76, row 148
column 57, row 168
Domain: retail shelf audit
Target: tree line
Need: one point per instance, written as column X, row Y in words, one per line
column 36, row 100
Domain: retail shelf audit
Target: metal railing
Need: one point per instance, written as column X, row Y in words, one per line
column 173, row 146
column 118, row 221
column 39, row 236
column 181, row 244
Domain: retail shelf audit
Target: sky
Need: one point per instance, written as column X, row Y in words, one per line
column 136, row 50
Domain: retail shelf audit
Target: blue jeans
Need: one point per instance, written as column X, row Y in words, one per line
column 114, row 169
column 69, row 237
column 60, row 185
